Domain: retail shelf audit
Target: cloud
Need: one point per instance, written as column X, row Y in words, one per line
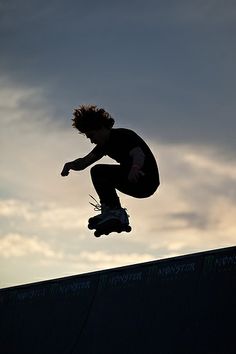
column 14, row 208
column 193, row 185
column 45, row 256
column 16, row 245
column 35, row 146
column 103, row 260
column 208, row 13
column 44, row 216
column 212, row 165
column 189, row 219
column 170, row 63
column 191, row 204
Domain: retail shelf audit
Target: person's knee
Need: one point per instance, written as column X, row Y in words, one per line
column 97, row 170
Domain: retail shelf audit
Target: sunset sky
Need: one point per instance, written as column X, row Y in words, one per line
column 165, row 69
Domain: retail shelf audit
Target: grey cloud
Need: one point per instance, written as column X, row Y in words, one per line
column 192, row 219
column 168, row 70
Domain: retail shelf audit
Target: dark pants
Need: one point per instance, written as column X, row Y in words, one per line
column 107, row 178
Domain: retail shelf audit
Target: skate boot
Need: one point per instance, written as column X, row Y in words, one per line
column 114, row 220
column 103, row 208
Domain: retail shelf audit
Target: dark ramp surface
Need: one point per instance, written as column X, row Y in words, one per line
column 180, row 305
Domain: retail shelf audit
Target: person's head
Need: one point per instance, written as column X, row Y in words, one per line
column 88, row 117
column 94, row 122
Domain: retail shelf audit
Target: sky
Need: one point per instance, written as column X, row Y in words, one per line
column 165, row 69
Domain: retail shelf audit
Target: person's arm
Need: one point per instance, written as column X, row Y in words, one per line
column 138, row 158
column 79, row 164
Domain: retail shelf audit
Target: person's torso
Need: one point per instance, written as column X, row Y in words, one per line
column 119, row 145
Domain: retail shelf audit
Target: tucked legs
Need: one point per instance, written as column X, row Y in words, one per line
column 107, row 178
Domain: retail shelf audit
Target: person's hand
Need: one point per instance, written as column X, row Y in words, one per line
column 66, row 169
column 135, row 173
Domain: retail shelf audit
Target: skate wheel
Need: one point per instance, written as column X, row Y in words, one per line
column 97, row 234
column 90, row 226
column 128, row 229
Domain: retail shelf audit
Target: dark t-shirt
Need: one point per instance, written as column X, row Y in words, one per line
column 119, row 145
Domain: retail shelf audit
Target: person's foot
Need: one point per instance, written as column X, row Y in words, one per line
column 117, row 213
column 94, row 220
column 107, row 213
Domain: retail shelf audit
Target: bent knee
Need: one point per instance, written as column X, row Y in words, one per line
column 103, row 169
column 97, row 170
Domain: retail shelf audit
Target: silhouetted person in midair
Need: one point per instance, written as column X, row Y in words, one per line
column 136, row 173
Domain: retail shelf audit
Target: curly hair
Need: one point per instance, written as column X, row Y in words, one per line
column 89, row 117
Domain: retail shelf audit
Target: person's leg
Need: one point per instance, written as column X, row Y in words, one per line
column 104, row 178
column 107, row 178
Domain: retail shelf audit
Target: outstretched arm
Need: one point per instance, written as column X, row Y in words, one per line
column 79, row 164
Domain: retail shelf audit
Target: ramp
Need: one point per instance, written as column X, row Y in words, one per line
column 179, row 305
